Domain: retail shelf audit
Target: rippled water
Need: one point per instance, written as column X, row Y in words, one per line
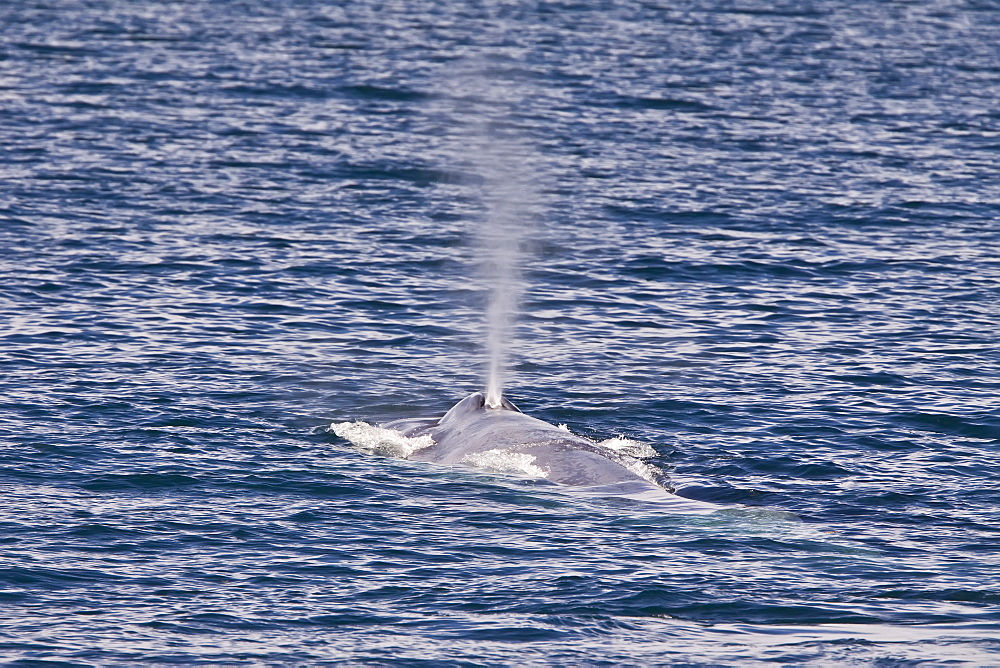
column 761, row 238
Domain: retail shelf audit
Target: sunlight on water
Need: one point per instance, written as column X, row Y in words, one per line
column 759, row 237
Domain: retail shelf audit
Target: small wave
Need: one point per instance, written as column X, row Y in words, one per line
column 379, row 440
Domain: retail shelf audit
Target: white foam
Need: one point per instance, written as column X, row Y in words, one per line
column 629, row 447
column 379, row 440
column 502, row 461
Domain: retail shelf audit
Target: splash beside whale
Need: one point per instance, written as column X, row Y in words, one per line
column 504, row 439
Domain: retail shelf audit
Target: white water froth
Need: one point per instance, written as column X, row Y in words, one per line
column 379, row 440
column 629, row 447
column 503, row 461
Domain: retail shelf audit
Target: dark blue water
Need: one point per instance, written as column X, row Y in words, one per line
column 763, row 238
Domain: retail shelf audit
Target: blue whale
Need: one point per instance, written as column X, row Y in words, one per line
column 504, row 439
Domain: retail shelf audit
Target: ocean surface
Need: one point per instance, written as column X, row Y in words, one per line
column 760, row 237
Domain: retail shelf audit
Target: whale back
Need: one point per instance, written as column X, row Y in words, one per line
column 505, row 440
column 470, row 433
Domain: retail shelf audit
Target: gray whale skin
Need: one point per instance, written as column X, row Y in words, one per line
column 471, row 429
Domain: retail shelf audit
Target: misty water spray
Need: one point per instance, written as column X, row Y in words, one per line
column 492, row 146
column 500, row 238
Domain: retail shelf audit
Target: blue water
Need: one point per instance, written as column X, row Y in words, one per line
column 763, row 238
